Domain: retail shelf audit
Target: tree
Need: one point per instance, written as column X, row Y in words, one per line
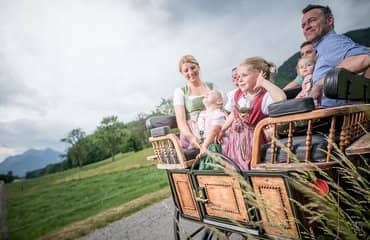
column 111, row 134
column 74, row 136
column 164, row 108
column 77, row 151
column 7, row 178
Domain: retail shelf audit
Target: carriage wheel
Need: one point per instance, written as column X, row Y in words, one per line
column 201, row 232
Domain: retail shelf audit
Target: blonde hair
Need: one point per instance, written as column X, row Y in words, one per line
column 260, row 64
column 187, row 59
column 309, row 59
column 220, row 97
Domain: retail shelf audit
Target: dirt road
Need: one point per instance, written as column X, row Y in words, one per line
column 154, row 222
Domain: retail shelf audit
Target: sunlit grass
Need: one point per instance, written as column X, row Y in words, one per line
column 41, row 205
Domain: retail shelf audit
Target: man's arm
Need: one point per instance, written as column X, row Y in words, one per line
column 356, row 64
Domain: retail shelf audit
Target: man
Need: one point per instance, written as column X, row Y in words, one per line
column 332, row 50
column 306, row 50
column 230, row 95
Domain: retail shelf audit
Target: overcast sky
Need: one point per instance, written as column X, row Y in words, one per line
column 67, row 64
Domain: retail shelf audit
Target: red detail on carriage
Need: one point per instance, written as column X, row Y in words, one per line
column 322, row 187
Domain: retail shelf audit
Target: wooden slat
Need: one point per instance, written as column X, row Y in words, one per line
column 308, row 141
column 331, row 138
column 290, row 141
column 361, row 146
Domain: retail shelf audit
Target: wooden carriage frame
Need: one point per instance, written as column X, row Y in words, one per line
column 216, row 199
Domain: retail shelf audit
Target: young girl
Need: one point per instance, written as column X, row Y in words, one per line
column 305, row 68
column 251, row 100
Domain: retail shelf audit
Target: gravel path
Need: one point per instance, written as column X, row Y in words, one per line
column 154, row 222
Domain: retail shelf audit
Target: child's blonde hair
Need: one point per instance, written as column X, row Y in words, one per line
column 187, row 59
column 260, row 64
column 220, row 98
column 309, row 59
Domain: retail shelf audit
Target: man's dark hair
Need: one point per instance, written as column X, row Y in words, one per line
column 325, row 9
column 234, row 68
column 304, row 44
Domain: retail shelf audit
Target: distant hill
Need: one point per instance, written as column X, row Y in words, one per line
column 28, row 161
column 287, row 71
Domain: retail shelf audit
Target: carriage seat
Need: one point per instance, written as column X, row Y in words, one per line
column 298, row 147
column 317, row 152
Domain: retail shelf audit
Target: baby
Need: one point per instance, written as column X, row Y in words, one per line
column 211, row 120
column 305, row 68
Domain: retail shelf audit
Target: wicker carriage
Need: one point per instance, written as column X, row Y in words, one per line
column 302, row 138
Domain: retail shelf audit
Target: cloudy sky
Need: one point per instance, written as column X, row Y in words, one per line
column 67, row 64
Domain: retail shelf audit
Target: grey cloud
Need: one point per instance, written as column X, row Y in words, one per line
column 92, row 59
column 25, row 133
column 16, row 94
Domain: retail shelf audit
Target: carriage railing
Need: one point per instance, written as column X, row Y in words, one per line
column 169, row 152
column 345, row 124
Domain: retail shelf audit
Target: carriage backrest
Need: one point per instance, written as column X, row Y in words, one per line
column 342, row 84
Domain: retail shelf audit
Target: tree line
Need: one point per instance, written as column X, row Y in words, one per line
column 111, row 137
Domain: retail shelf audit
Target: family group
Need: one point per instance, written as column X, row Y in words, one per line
column 204, row 116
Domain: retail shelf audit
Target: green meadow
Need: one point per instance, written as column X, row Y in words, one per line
column 70, row 204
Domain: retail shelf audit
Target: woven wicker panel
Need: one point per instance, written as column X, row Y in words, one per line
column 225, row 198
column 169, row 152
column 277, row 216
column 185, row 195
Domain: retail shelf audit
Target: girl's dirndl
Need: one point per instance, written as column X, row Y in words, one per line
column 241, row 132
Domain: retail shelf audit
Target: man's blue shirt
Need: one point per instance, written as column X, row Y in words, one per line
column 330, row 51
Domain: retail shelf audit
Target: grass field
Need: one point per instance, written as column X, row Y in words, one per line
column 41, row 207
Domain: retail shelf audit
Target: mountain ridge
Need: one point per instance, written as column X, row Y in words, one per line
column 29, row 160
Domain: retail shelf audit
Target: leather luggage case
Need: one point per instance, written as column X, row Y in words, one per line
column 159, row 131
column 291, row 106
column 161, row 121
column 342, row 84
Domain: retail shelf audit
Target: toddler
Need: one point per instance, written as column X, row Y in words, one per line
column 305, row 68
column 211, row 120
